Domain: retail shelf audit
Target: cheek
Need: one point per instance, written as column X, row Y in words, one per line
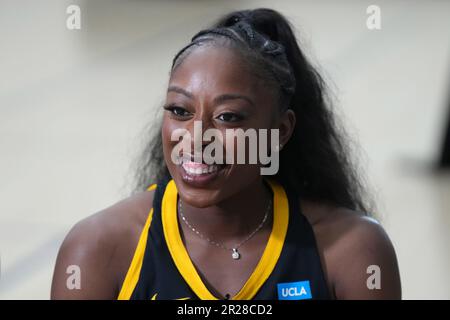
column 168, row 127
column 250, row 143
column 242, row 171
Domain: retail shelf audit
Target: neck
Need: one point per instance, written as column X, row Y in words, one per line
column 233, row 218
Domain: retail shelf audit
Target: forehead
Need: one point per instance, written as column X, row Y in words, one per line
column 215, row 70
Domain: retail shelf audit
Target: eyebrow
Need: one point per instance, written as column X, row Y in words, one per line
column 220, row 99
column 232, row 96
column 181, row 91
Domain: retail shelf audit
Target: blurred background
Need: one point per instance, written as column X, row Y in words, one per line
column 73, row 104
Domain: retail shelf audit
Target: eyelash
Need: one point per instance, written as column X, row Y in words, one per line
column 237, row 117
column 174, row 108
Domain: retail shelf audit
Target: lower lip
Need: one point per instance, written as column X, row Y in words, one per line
column 200, row 180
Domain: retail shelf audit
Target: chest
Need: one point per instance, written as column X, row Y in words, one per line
column 222, row 274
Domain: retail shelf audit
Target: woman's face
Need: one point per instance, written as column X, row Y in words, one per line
column 214, row 87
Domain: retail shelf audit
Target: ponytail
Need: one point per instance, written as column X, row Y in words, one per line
column 316, row 161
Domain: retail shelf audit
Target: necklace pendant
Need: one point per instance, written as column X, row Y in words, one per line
column 235, row 255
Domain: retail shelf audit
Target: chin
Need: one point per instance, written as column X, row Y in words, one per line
column 196, row 197
column 199, row 184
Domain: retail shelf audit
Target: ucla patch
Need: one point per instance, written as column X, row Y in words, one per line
column 294, row 290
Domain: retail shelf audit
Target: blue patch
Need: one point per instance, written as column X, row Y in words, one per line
column 294, row 290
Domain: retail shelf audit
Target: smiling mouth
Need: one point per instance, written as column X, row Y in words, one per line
column 199, row 173
column 195, row 168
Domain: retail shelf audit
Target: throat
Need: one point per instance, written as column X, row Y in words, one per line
column 232, row 219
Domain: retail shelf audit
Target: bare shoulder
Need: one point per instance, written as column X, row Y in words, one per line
column 357, row 254
column 101, row 247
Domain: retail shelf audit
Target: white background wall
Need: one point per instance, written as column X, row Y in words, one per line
column 73, row 105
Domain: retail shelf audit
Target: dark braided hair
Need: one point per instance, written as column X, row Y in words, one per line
column 255, row 47
column 316, row 160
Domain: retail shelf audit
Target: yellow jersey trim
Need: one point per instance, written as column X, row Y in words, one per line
column 265, row 265
column 132, row 277
column 155, row 295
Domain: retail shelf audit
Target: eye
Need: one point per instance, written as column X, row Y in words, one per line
column 229, row 117
column 177, row 111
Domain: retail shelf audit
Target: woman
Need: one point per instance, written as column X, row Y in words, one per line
column 225, row 231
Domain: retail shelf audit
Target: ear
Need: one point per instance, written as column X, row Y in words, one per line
column 286, row 126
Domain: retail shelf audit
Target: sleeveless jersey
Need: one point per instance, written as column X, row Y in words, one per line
column 289, row 268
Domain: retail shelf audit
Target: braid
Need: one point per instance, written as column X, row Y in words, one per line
column 243, row 35
column 317, row 161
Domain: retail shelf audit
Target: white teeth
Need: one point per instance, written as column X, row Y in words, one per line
column 199, row 171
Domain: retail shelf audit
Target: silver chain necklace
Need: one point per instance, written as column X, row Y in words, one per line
column 234, row 251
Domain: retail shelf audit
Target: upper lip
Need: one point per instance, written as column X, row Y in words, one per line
column 190, row 157
column 187, row 157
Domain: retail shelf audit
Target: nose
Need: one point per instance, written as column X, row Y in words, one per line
column 197, row 127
